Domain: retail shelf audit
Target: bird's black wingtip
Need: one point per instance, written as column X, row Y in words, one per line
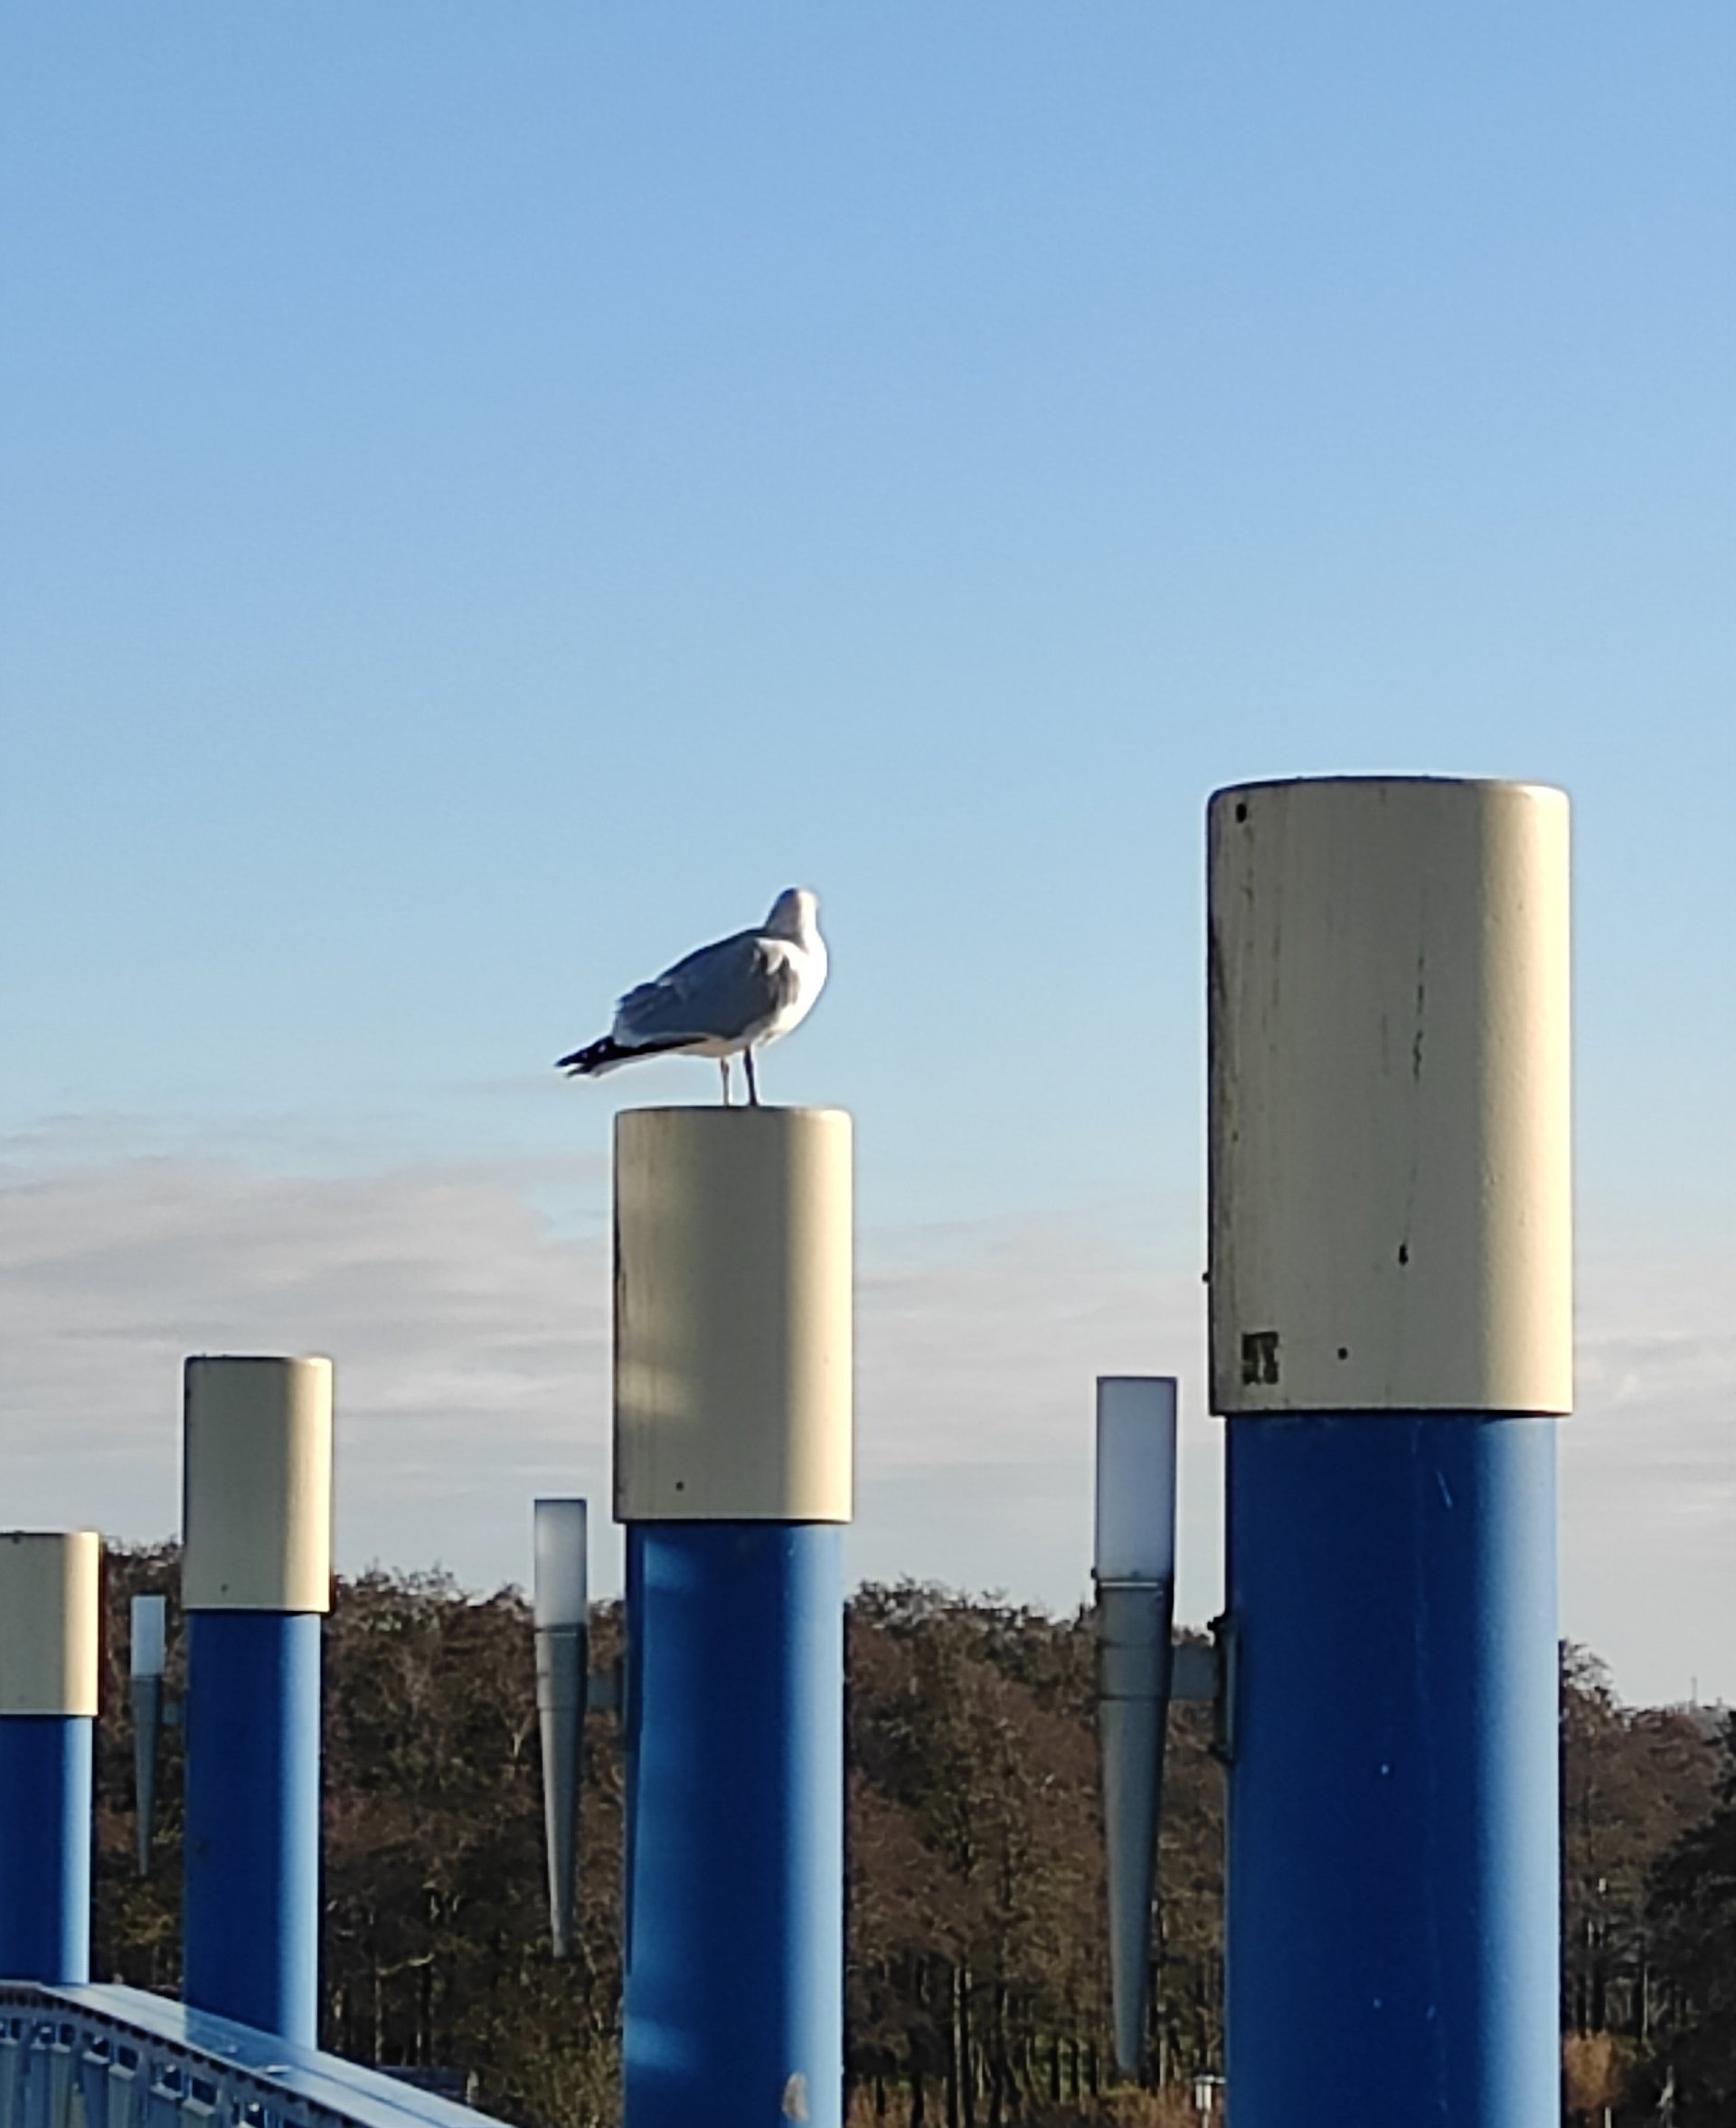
column 606, row 1052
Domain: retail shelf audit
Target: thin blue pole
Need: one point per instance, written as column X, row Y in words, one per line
column 734, row 2013
column 45, row 1763
column 251, row 1860
column 632, row 1700
column 1391, row 1925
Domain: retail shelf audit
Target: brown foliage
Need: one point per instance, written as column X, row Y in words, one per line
column 1170, row 2107
column 434, row 1945
column 1633, row 1779
column 976, row 1983
column 1594, row 2072
column 976, row 1887
column 1690, row 1917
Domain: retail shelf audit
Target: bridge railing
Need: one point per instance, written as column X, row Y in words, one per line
column 118, row 2058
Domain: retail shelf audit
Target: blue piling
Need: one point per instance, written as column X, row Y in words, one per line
column 1391, row 1918
column 45, row 1762
column 255, row 1583
column 734, row 2011
column 251, row 1847
column 732, row 1475
column 1392, row 1342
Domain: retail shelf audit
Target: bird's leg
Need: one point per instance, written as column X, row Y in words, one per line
column 723, row 1066
column 753, row 1091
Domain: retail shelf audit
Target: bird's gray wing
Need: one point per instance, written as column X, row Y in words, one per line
column 717, row 993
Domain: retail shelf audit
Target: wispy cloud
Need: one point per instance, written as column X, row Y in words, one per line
column 470, row 1336
column 467, row 1307
column 1649, row 1471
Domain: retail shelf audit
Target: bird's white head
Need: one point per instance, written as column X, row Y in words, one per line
column 796, row 915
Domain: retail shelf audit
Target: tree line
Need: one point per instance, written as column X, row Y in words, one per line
column 976, row 1983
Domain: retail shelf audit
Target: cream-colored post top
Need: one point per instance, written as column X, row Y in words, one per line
column 1135, row 1534
column 1390, row 1140
column 733, row 1315
column 51, row 1601
column 257, row 1485
column 559, row 1585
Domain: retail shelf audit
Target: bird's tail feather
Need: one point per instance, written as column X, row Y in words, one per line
column 607, row 1055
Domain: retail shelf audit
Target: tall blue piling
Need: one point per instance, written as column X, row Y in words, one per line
column 50, row 1600
column 739, row 1855
column 256, row 1581
column 1391, row 1288
column 1396, row 1729
column 733, row 1473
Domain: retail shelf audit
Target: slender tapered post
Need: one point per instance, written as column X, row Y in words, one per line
column 146, row 1653
column 561, row 1614
column 49, row 1602
column 1390, row 1305
column 1134, row 1567
column 256, row 1581
column 732, row 1455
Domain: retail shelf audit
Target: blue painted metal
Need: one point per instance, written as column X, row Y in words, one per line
column 46, row 1853
column 632, row 1700
column 251, row 1843
column 134, row 2060
column 1391, row 1925
column 734, row 2012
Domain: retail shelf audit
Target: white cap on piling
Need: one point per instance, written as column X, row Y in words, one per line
column 560, row 1595
column 49, row 1608
column 1136, row 1478
column 733, row 1315
column 257, row 1485
column 1391, row 1215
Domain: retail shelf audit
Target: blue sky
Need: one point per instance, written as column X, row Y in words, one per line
column 488, row 494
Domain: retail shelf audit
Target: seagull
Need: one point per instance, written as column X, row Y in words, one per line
column 723, row 1000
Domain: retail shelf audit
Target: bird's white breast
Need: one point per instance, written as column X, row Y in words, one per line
column 807, row 964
